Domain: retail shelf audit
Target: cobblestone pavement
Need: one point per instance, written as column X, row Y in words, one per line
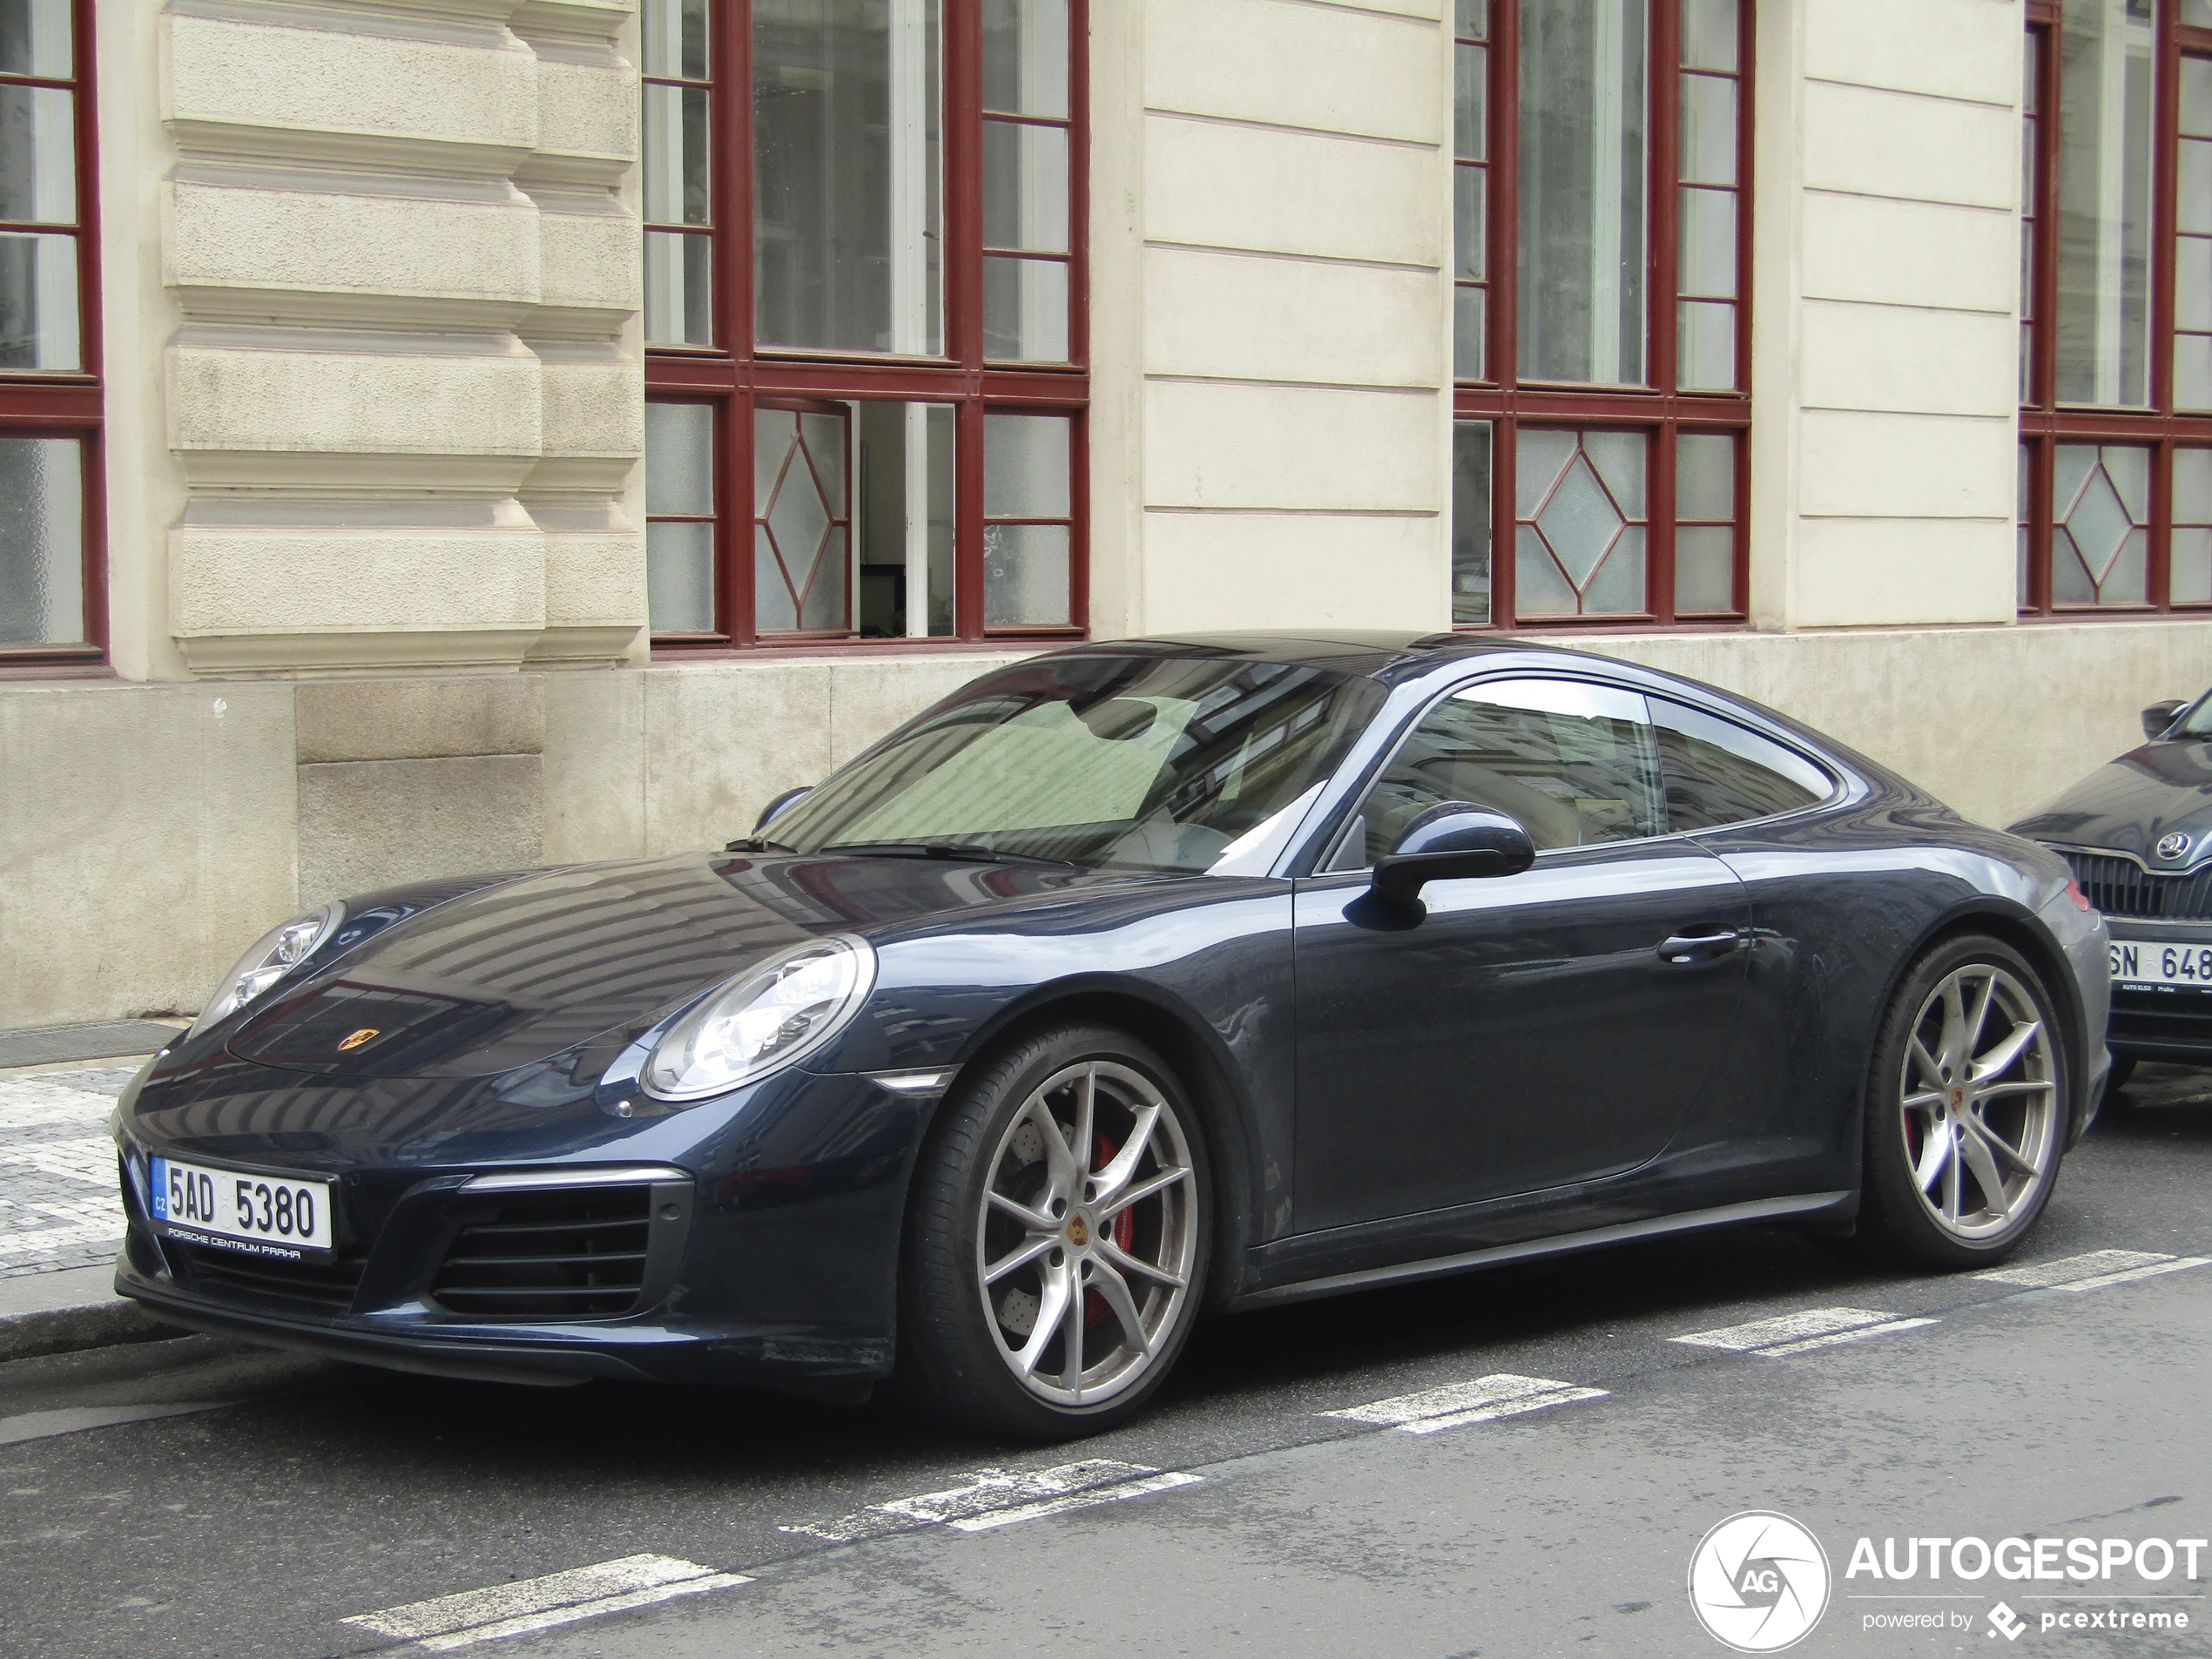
column 58, row 1206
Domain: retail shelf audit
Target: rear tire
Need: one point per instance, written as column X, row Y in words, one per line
column 1965, row 1109
column 1040, row 1299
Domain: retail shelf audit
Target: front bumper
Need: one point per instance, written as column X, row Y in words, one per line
column 757, row 1236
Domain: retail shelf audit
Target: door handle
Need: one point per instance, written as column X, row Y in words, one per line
column 1682, row 949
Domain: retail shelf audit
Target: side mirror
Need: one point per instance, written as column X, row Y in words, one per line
column 2159, row 715
column 1452, row 842
column 776, row 807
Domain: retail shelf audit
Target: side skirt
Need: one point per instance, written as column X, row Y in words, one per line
column 1839, row 1205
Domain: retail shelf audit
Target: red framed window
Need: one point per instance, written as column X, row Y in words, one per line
column 52, row 591
column 2115, row 472
column 865, row 320
column 1601, row 347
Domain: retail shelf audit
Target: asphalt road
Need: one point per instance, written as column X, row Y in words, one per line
column 281, row 1496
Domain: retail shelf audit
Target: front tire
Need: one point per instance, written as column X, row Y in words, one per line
column 1965, row 1109
column 1058, row 1245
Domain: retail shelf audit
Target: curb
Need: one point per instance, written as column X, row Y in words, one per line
column 71, row 1329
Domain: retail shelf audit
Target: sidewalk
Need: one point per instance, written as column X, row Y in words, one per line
column 61, row 1222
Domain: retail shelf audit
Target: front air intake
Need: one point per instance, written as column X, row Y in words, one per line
column 572, row 1253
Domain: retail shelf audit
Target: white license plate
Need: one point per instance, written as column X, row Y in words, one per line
column 2140, row 962
column 256, row 1214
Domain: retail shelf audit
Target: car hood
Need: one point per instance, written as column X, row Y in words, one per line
column 2134, row 803
column 508, row 974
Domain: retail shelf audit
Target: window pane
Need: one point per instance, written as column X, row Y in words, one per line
column 1471, row 521
column 2193, row 371
column 1025, row 575
column 2104, row 204
column 38, row 155
column 1025, row 56
column 39, row 302
column 801, row 563
column 1025, row 466
column 1709, row 243
column 679, row 577
column 34, row 39
column 1582, row 166
column 41, row 542
column 680, row 296
column 1025, row 187
column 905, row 514
column 674, row 33
column 1025, row 310
column 1470, row 324
column 2193, row 193
column 2197, row 96
column 1717, row 772
column 1704, row 476
column 1470, row 221
column 676, row 147
column 1470, row 102
column 1471, row 18
column 2192, row 545
column 1708, row 130
column 1709, row 34
column 2193, row 282
column 1572, row 762
column 1704, row 569
column 847, row 199
column 679, row 458
column 2197, row 13
column 1579, row 550
column 2100, row 508
column 1705, row 347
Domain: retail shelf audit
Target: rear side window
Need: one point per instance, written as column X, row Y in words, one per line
column 1717, row 772
column 1573, row 761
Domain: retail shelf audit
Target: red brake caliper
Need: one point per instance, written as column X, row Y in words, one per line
column 1121, row 1230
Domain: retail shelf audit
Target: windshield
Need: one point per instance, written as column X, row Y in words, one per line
column 2197, row 723
column 1135, row 763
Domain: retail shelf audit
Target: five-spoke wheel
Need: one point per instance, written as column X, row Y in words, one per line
column 1966, row 1112
column 1057, row 1250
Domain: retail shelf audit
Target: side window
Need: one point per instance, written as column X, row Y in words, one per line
column 1574, row 762
column 1717, row 773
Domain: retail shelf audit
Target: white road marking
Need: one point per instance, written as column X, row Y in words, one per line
column 1483, row 1400
column 990, row 1498
column 38, row 1426
column 1802, row 1333
column 463, row 1620
column 2094, row 1271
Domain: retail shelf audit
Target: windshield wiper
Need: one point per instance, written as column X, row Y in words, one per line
column 955, row 851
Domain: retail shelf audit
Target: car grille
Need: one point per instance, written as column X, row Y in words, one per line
column 2120, row 886
column 328, row 1286
column 576, row 1253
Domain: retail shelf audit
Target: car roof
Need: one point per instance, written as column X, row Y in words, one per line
column 1383, row 654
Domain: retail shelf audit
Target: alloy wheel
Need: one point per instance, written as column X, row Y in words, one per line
column 1980, row 1096
column 1089, row 1233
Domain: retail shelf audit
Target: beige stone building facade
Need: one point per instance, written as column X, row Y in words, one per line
column 381, row 387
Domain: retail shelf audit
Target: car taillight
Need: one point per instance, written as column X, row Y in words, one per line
column 2073, row 892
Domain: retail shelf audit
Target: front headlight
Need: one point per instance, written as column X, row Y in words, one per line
column 274, row 955
column 765, row 1019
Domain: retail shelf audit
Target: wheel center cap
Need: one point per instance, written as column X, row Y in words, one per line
column 1078, row 1231
column 1958, row 1100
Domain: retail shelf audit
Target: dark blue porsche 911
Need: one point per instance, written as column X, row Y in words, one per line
column 1131, row 980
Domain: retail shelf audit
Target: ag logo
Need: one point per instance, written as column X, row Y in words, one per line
column 367, row 1034
column 1758, row 1581
column 2173, row 846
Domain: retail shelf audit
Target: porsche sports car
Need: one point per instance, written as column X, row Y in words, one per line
column 1129, row 981
column 2138, row 835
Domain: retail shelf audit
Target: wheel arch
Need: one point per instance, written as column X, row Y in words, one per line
column 1201, row 1061
column 2016, row 925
